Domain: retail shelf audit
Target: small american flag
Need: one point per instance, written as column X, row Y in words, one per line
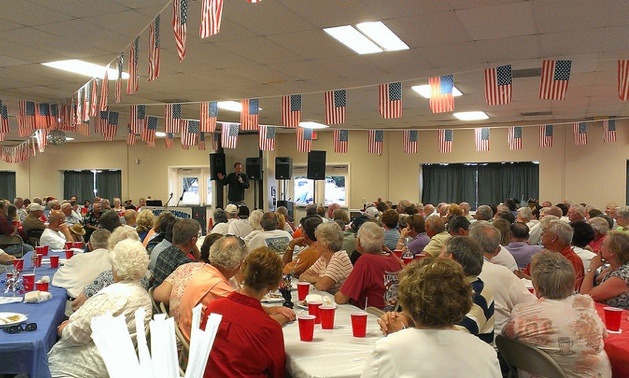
column 211, row 14
column 180, row 18
column 209, row 114
column 229, row 135
column 390, row 100
column 104, row 92
column 266, row 139
column 609, row 129
column 514, row 137
column 84, row 128
column 154, row 49
column 103, row 121
column 375, row 141
column 54, row 116
column 87, row 93
column 304, row 139
column 201, row 141
column 446, row 137
column 137, row 118
column 112, row 126
column 42, row 118
column 4, row 124
column 41, row 139
column 482, row 138
column 341, row 141
column 441, row 97
column 26, row 118
column 335, row 103
column 94, row 105
column 411, row 138
column 498, row 85
column 118, row 94
column 554, row 81
column 623, row 80
column 78, row 110
column 172, row 118
column 189, row 133
column 148, row 134
column 580, row 132
column 130, row 137
column 132, row 82
column 291, row 110
column 216, row 138
column 66, row 116
column 249, row 114
column 169, row 140
column 545, row 136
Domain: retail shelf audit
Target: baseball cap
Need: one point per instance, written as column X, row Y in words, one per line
column 35, row 207
column 231, row 209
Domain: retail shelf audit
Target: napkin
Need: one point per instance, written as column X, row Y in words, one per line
column 44, row 279
column 37, row 296
column 5, row 300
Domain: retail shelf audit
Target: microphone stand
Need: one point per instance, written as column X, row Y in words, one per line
column 169, row 198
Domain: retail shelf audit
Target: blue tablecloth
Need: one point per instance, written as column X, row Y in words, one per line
column 27, row 352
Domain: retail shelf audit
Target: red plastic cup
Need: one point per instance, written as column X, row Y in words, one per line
column 69, row 253
column 407, row 259
column 42, row 250
column 306, row 327
column 29, row 281
column 68, row 245
column 78, row 245
column 18, row 264
column 54, row 261
column 9, row 275
column 613, row 316
column 41, row 286
column 303, row 288
column 38, row 261
column 419, row 256
column 398, row 253
column 359, row 324
column 313, row 309
column 327, row 316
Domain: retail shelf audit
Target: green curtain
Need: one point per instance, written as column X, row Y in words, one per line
column 7, row 185
column 448, row 183
column 108, row 184
column 79, row 184
column 498, row 181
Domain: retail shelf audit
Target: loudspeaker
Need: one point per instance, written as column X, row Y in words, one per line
column 283, row 168
column 316, row 165
column 217, row 164
column 253, row 168
column 289, row 206
column 199, row 213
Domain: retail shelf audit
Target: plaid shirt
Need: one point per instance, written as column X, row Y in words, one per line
column 167, row 262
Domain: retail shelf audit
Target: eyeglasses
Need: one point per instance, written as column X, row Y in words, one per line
column 30, row 327
column 241, row 241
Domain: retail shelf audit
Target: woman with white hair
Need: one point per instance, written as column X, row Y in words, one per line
column 76, row 355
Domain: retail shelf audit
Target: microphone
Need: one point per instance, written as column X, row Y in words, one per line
column 169, row 198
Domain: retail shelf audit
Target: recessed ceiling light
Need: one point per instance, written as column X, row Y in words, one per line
column 312, row 125
column 382, row 35
column 424, row 90
column 84, row 68
column 353, row 39
column 471, row 116
column 160, row 134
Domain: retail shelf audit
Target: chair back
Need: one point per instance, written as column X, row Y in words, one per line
column 11, row 240
column 528, row 358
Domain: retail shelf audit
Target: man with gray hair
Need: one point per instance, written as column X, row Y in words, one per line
column 576, row 213
column 484, row 212
column 374, row 279
column 622, row 219
column 271, row 237
column 601, row 228
column 71, row 217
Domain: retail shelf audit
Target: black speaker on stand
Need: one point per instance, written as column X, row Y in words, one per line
column 316, row 165
column 217, row 165
column 283, row 168
column 253, row 168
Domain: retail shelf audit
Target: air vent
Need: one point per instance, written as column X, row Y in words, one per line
column 527, row 72
column 535, row 114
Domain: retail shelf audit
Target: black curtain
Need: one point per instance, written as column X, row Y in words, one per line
column 448, row 183
column 498, row 181
column 7, row 185
column 79, row 184
column 108, row 184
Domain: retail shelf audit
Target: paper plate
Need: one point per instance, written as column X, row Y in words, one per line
column 11, row 318
column 272, row 298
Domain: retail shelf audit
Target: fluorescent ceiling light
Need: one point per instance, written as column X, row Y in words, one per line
column 471, row 116
column 312, row 125
column 160, row 134
column 84, row 68
column 232, row 106
column 382, row 35
column 353, row 39
column 424, row 90
column 69, row 139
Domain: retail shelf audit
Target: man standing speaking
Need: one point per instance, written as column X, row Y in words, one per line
column 237, row 182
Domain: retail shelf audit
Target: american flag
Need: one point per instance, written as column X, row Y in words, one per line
column 130, row 137
column 609, row 129
column 118, row 94
column 78, row 114
column 390, row 100
column 304, row 139
column 84, row 128
column 104, row 92
column 172, row 118
column 132, row 82
column 411, row 137
column 498, row 85
column 103, row 121
column 266, row 140
column 341, row 141
column 201, row 141
column 554, row 81
column 26, row 118
column 229, row 135
column 545, row 136
column 54, row 116
column 291, row 110
column 154, row 49
column 87, row 93
column 249, row 114
column 441, row 97
column 42, row 118
column 169, row 140
column 623, row 80
column 335, row 102
column 180, row 18
column 94, row 105
column 446, row 137
column 580, row 132
column 482, row 138
column 41, row 139
column 375, row 141
column 66, row 116
column 514, row 137
column 209, row 114
column 148, row 134
column 189, row 132
column 112, row 126
column 4, row 124
column 137, row 118
column 211, row 13
column 216, row 138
